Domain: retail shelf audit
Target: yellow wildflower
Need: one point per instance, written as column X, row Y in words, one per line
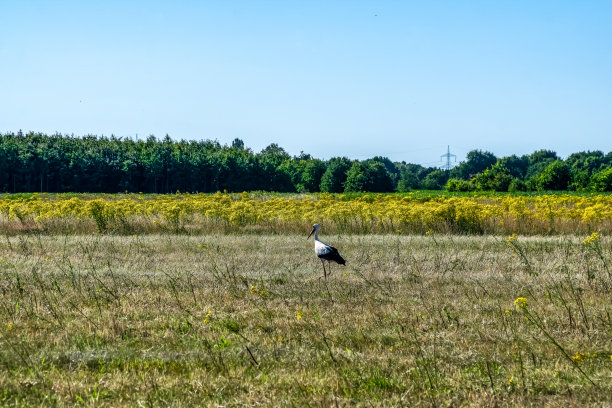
column 591, row 239
column 299, row 315
column 512, row 238
column 520, row 303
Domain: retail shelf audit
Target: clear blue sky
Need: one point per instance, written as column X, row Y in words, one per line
column 401, row 79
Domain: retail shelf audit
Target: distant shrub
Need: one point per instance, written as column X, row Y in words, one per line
column 517, row 185
column 459, row 185
column 435, row 180
column 602, row 180
column 556, row 176
column 496, row 178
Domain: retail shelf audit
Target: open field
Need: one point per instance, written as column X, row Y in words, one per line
column 238, row 320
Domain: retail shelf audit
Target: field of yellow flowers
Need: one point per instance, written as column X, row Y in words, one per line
column 367, row 213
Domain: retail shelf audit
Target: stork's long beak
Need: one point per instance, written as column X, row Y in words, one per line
column 311, row 232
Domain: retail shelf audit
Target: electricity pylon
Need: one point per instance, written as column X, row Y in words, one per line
column 448, row 156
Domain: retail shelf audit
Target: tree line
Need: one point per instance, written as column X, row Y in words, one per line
column 36, row 162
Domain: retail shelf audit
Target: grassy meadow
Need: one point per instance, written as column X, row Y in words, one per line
column 243, row 320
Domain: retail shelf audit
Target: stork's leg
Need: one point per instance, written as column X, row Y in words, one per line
column 329, row 267
column 324, row 271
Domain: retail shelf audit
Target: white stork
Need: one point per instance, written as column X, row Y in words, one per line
column 325, row 252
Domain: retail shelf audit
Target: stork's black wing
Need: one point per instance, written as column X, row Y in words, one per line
column 333, row 255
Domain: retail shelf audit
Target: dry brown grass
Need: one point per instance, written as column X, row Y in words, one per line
column 242, row 320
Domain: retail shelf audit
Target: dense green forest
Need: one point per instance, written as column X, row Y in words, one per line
column 58, row 163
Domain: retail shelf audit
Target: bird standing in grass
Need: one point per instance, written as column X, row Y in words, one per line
column 325, row 252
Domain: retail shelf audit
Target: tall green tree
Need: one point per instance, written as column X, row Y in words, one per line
column 334, row 178
column 476, row 162
column 602, row 180
column 556, row 176
column 372, row 176
column 408, row 180
column 378, row 179
column 514, row 165
column 538, row 161
column 356, row 178
column 272, row 176
column 392, row 170
column 436, row 180
column 312, row 174
column 582, row 166
column 496, row 177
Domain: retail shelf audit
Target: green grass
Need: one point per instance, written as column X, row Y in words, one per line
column 428, row 194
column 167, row 320
column 420, row 194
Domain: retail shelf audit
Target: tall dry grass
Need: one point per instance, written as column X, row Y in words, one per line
column 218, row 320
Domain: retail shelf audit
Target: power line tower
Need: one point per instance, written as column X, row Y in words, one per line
column 448, row 156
